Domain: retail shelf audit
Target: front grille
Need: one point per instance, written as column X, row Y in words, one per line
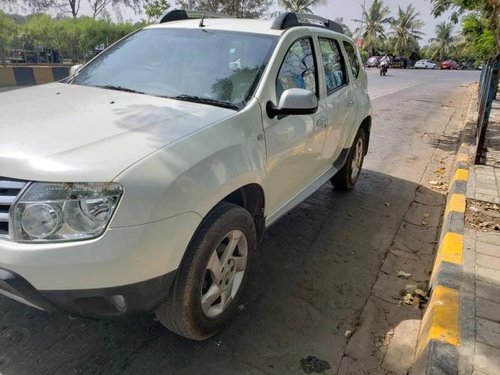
column 9, row 190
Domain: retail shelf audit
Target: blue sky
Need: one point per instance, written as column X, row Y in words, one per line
column 351, row 9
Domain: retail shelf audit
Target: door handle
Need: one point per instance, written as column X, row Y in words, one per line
column 321, row 122
column 350, row 103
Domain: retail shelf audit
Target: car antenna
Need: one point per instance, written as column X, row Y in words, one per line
column 201, row 21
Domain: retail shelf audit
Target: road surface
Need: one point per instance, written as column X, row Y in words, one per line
column 312, row 281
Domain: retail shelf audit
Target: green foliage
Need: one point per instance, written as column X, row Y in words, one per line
column 374, row 19
column 155, row 8
column 406, row 31
column 442, row 44
column 480, row 41
column 234, row 8
column 73, row 37
column 8, row 31
column 488, row 9
column 300, row 6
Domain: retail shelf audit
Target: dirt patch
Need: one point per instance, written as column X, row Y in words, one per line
column 482, row 216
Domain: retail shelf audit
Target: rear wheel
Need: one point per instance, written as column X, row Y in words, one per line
column 346, row 178
column 212, row 275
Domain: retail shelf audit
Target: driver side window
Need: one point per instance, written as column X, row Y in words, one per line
column 298, row 69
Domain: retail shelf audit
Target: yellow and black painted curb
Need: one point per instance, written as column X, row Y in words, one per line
column 31, row 75
column 440, row 337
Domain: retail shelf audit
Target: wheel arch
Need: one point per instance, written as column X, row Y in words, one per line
column 250, row 197
column 366, row 125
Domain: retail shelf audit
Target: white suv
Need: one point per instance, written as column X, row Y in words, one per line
column 145, row 181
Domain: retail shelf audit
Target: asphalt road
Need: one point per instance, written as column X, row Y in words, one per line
column 311, row 282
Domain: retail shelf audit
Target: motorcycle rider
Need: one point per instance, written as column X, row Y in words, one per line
column 384, row 64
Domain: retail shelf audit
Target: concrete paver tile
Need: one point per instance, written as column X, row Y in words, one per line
column 488, row 332
column 488, row 291
column 488, row 237
column 489, row 275
column 488, row 260
column 488, row 249
column 486, row 360
column 487, row 309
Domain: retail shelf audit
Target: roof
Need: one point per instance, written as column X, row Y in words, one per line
column 227, row 24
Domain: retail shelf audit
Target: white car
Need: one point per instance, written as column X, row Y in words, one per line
column 425, row 64
column 145, row 181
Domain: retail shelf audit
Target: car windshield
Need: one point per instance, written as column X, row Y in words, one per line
column 211, row 67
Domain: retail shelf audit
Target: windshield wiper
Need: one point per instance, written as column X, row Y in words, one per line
column 120, row 88
column 199, row 99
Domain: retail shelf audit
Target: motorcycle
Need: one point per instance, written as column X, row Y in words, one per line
column 384, row 67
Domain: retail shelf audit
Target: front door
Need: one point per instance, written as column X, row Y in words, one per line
column 294, row 142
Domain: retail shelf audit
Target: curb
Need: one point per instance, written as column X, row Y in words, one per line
column 28, row 76
column 440, row 336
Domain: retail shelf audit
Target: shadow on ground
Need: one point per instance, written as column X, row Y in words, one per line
column 310, row 284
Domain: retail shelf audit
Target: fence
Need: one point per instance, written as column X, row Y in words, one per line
column 488, row 87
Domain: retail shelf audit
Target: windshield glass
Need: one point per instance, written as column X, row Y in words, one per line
column 188, row 64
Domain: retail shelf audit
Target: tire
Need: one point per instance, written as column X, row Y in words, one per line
column 346, row 177
column 183, row 312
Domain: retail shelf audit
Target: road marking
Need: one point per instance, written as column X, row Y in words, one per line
column 393, row 91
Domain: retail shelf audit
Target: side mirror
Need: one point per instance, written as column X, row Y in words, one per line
column 74, row 69
column 294, row 102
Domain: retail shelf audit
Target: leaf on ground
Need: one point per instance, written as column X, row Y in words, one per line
column 404, row 275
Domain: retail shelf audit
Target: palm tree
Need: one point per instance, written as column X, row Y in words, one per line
column 374, row 18
column 406, row 31
column 340, row 21
column 443, row 42
column 300, row 6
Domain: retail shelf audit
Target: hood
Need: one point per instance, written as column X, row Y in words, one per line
column 61, row 132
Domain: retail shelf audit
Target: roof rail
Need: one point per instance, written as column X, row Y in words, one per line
column 181, row 14
column 286, row 20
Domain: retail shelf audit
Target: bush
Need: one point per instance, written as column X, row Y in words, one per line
column 8, row 32
column 73, row 38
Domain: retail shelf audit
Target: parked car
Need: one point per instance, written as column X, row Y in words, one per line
column 139, row 192
column 425, row 64
column 399, row 62
column 373, row 61
column 449, row 64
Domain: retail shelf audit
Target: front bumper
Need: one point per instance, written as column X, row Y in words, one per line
column 127, row 270
column 91, row 303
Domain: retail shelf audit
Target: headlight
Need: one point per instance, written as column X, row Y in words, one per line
column 49, row 212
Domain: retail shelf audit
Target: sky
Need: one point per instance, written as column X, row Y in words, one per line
column 351, row 9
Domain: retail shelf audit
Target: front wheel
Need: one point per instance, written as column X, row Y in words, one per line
column 348, row 175
column 212, row 275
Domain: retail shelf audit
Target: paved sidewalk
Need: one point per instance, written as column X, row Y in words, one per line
column 482, row 262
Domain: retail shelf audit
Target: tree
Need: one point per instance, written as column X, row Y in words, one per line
column 72, row 7
column 8, row 30
column 479, row 40
column 374, row 19
column 406, row 31
column 234, row 8
column 442, row 44
column 300, row 6
column 155, row 8
column 489, row 9
column 347, row 31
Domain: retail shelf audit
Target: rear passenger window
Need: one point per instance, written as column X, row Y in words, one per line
column 298, row 69
column 353, row 59
column 333, row 63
